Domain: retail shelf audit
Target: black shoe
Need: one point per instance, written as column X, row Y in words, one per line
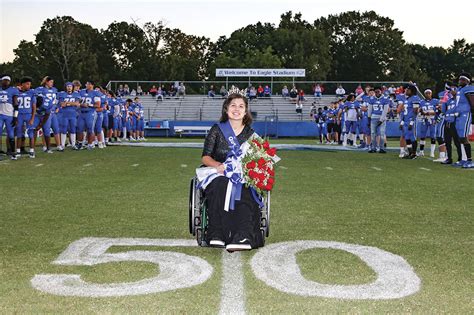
column 382, row 151
column 447, row 162
column 372, row 151
column 23, row 151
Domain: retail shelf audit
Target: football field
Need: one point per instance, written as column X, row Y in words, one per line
column 118, row 218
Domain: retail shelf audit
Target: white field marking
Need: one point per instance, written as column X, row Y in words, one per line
column 184, row 165
column 232, row 292
column 38, row 165
column 176, row 270
column 376, row 168
column 87, row 165
column 135, row 165
column 283, row 167
column 329, row 168
column 425, row 169
column 275, row 264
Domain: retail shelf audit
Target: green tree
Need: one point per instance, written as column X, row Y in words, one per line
column 364, row 46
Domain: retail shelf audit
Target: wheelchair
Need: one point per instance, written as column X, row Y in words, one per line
column 198, row 219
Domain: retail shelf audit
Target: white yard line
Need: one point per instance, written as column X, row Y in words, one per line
column 376, row 168
column 184, row 165
column 87, row 165
column 329, row 168
column 425, row 169
column 135, row 165
column 283, row 167
column 39, row 165
column 232, row 292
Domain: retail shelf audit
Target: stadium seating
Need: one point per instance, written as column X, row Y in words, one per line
column 198, row 107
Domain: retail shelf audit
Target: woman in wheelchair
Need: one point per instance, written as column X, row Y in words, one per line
column 237, row 229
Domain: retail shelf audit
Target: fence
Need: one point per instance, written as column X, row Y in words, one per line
column 202, row 87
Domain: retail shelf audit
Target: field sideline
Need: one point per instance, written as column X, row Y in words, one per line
column 418, row 210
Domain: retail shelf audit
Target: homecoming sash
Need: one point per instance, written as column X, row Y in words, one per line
column 233, row 170
column 233, row 167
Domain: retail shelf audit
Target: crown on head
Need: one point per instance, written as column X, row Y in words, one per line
column 236, row 90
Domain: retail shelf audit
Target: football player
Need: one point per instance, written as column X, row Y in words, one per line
column 408, row 119
column 427, row 125
column 26, row 116
column 47, row 93
column 8, row 113
column 90, row 102
column 69, row 102
column 463, row 112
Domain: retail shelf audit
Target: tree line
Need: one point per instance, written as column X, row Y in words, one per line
column 356, row 46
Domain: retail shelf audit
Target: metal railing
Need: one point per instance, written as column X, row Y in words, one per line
column 202, row 87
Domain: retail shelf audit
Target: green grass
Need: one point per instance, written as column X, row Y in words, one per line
column 424, row 216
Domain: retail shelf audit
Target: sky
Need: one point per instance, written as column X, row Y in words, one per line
column 432, row 23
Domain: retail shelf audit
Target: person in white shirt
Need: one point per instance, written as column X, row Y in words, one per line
column 340, row 92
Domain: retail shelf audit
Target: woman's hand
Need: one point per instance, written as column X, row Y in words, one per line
column 220, row 168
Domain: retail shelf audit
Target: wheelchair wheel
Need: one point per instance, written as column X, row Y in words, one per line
column 194, row 206
column 267, row 215
column 191, row 206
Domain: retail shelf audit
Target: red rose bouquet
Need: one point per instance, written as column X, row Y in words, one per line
column 258, row 165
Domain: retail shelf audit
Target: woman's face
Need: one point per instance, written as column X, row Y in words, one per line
column 236, row 109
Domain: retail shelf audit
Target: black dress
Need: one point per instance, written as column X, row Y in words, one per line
column 242, row 222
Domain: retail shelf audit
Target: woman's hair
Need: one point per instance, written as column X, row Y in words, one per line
column 46, row 79
column 225, row 107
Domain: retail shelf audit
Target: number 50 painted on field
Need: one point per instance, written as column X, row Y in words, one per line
column 274, row 264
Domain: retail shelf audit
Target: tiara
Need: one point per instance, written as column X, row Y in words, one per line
column 236, row 90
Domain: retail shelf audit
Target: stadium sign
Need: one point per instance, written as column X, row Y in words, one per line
column 260, row 73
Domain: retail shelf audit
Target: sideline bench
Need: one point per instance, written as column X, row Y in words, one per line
column 191, row 130
column 164, row 126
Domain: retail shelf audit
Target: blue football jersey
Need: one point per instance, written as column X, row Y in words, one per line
column 410, row 105
column 378, row 104
column 427, row 107
column 89, row 97
column 449, row 110
column 26, row 100
column 462, row 104
column 6, row 100
column 103, row 102
column 49, row 96
column 70, row 98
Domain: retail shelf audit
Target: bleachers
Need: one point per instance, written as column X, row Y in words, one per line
column 198, row 107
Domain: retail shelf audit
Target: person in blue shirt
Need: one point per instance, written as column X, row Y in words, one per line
column 408, row 120
column 69, row 101
column 26, row 116
column 400, row 101
column 125, row 117
column 464, row 110
column 8, row 113
column 350, row 110
column 109, row 127
column 427, row 124
column 444, row 97
column 331, row 124
column 99, row 117
column 363, row 123
column 140, row 121
column 320, row 119
column 90, row 101
column 267, row 91
column 48, row 94
column 377, row 113
column 448, row 115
